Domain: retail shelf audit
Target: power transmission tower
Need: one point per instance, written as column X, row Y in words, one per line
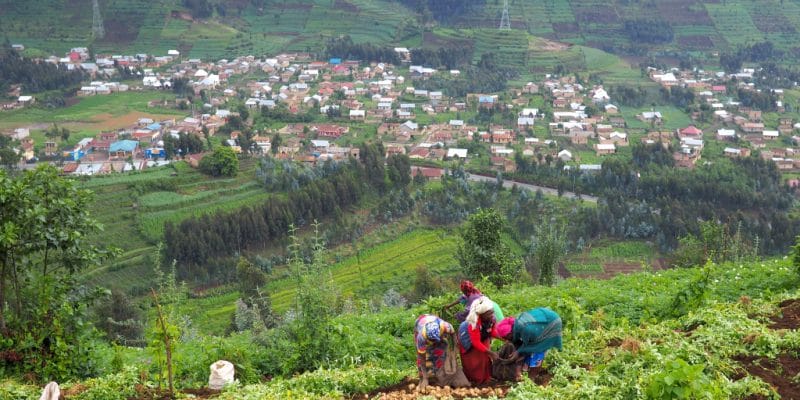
column 98, row 32
column 505, row 21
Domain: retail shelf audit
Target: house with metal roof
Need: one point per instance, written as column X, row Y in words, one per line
column 123, row 148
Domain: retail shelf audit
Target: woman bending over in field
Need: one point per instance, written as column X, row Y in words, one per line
column 532, row 333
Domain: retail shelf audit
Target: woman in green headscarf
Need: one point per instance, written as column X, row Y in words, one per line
column 532, row 333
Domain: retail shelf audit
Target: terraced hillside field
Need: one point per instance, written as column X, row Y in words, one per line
column 698, row 25
column 134, row 207
column 239, row 27
column 153, row 27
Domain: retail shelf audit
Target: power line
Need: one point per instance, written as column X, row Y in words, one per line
column 505, row 21
column 98, row 32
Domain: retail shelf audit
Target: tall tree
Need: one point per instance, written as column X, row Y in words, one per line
column 222, row 162
column 371, row 155
column 481, row 251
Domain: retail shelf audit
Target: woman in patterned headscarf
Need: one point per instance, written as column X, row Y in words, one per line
column 475, row 338
column 430, row 335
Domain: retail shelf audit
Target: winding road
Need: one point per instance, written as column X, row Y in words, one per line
column 533, row 188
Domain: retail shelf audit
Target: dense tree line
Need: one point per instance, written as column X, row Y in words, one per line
column 184, row 144
column 282, row 176
column 195, row 242
column 199, row 8
column 628, row 96
column 678, row 96
column 654, row 31
column 343, row 47
column 757, row 52
column 666, row 203
column 200, row 244
column 281, row 113
column 449, row 57
column 453, row 201
column 771, row 74
column 485, row 77
column 764, row 100
column 34, row 76
column 650, row 198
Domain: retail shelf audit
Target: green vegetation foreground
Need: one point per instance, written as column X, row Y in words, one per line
column 622, row 339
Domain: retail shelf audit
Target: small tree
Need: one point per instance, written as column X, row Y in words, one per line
column 425, row 284
column 119, row 319
column 277, row 141
column 255, row 301
column 310, row 332
column 166, row 329
column 481, row 251
column 547, row 248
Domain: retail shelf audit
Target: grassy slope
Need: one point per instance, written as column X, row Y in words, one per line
column 387, row 265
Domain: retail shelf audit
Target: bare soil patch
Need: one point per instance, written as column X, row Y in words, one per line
column 121, row 30
column 296, row 6
column 433, row 40
column 683, row 12
column 597, row 15
column 407, row 390
column 566, row 27
column 346, row 6
column 110, row 122
column 552, row 45
column 789, row 317
column 615, row 268
column 778, row 373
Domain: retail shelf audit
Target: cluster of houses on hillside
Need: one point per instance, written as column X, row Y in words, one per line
column 579, row 118
column 740, row 124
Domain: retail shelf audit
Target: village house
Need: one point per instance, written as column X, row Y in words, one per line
column 726, row 134
column 419, row 153
column 357, row 115
column 388, row 128
column 650, row 117
column 770, row 135
column 457, row 153
column 618, row 138
column 733, row 152
column 394, row 149
column 331, row 131
column 428, row 173
column 756, row 141
column 752, row 127
column 690, row 131
column 123, row 149
column 605, row 148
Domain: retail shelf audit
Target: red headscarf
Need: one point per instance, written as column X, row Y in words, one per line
column 468, row 288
